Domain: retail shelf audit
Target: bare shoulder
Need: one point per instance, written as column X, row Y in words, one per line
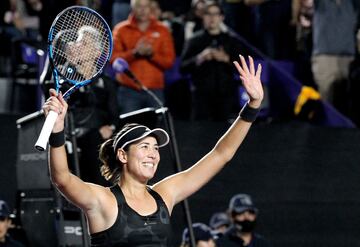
column 104, row 214
column 103, row 195
column 160, row 188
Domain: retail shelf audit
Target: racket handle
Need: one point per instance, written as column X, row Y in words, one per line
column 43, row 138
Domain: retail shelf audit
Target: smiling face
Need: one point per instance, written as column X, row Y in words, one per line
column 142, row 159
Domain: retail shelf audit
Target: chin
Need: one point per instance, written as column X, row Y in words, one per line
column 147, row 176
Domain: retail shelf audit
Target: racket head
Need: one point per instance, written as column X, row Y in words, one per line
column 79, row 46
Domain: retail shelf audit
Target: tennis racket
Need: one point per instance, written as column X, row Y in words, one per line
column 79, row 47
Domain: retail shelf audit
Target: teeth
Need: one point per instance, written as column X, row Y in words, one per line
column 149, row 164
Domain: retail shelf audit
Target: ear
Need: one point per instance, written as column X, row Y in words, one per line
column 121, row 155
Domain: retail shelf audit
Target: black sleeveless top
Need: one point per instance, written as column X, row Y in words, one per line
column 133, row 229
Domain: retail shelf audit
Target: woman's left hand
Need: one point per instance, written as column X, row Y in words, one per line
column 251, row 80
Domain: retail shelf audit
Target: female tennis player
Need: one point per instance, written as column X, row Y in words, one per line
column 132, row 213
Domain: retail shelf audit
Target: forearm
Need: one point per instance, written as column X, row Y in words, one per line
column 232, row 139
column 228, row 144
column 165, row 57
column 163, row 61
column 198, row 175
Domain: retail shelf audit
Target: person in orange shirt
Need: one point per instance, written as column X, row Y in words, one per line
column 147, row 45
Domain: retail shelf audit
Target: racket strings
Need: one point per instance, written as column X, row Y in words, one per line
column 81, row 44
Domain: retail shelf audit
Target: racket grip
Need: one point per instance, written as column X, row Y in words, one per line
column 43, row 138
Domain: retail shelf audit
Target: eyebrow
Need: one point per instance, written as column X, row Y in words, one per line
column 148, row 143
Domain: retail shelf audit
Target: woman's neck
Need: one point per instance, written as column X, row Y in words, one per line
column 132, row 188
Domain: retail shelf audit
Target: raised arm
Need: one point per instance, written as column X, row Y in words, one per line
column 73, row 188
column 181, row 185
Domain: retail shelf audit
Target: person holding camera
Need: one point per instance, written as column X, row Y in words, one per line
column 207, row 58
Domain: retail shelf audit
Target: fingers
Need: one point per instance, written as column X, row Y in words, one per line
column 55, row 102
column 52, row 92
column 258, row 71
column 245, row 70
column 252, row 68
column 52, row 105
column 238, row 67
column 62, row 100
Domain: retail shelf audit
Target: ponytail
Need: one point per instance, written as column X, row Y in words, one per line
column 110, row 168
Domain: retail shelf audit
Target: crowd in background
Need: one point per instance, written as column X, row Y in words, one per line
column 317, row 37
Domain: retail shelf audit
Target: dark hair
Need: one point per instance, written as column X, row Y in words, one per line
column 111, row 167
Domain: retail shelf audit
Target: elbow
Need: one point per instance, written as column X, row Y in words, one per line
column 224, row 156
column 57, row 183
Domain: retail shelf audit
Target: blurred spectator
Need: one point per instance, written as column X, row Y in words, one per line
column 303, row 11
column 208, row 58
column 194, row 19
column 177, row 90
column 175, row 24
column 5, row 224
column 219, row 223
column 8, row 30
column 243, row 215
column 26, row 17
column 32, row 18
column 334, row 31
column 120, row 11
column 202, row 234
column 274, row 33
column 147, row 45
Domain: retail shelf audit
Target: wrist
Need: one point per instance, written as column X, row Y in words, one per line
column 254, row 103
column 58, row 128
column 57, row 139
column 249, row 113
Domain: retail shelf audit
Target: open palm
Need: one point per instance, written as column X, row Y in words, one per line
column 251, row 80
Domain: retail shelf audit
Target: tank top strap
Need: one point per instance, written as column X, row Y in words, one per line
column 155, row 195
column 118, row 194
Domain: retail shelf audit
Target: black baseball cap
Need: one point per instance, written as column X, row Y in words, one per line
column 4, row 210
column 219, row 219
column 240, row 203
column 138, row 132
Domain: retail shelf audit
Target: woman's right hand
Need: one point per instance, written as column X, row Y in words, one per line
column 56, row 103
